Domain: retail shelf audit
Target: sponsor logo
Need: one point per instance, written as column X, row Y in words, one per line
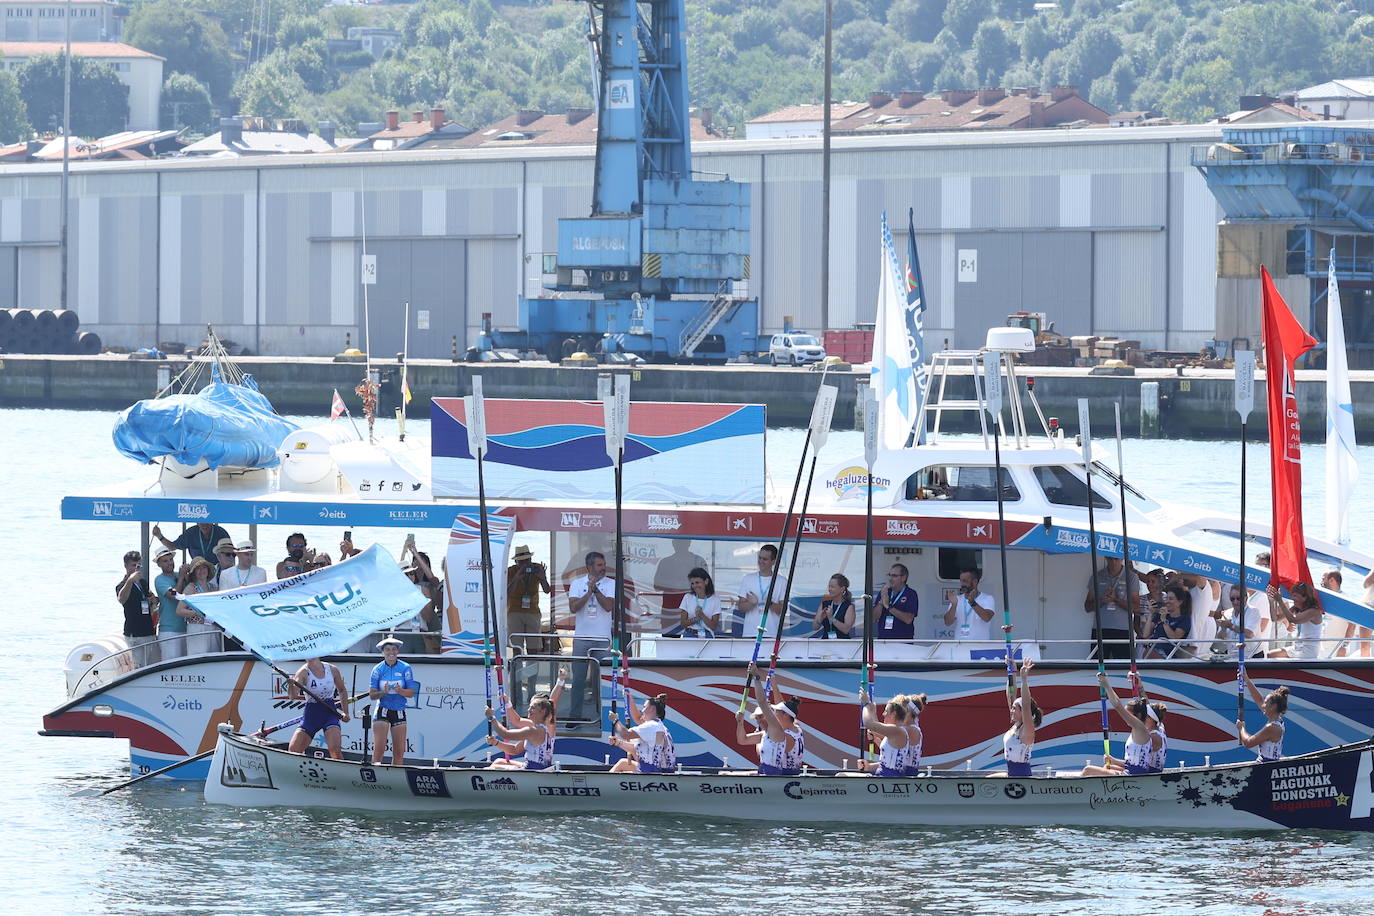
column 193, row 510
column 1161, row 555
column 729, row 790
column 660, row 522
column 335, row 514
column 631, row 786
column 1063, row 537
column 172, row 702
column 106, row 509
column 965, row 790
column 1056, row 790
column 1303, row 786
column 474, row 563
column 245, row 769
column 570, row 791
column 795, row 789
column 972, row 531
column 904, row 788
column 1109, row 543
column 265, row 513
column 312, row 774
column 988, row 790
column 181, row 679
column 504, row 784
column 408, row 515
column 854, row 479
column 580, row 520
column 427, row 783
column 350, row 595
column 367, row 774
column 739, row 523
column 1014, row 790
column 909, row 528
column 812, row 525
column 470, row 587
column 1201, row 566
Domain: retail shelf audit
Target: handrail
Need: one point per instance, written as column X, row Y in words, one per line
column 130, row 650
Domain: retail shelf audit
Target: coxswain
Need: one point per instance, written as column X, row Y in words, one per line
column 536, row 739
column 321, row 681
column 780, row 740
column 1268, row 741
column 891, row 727
column 656, row 753
column 1019, row 739
column 1146, row 748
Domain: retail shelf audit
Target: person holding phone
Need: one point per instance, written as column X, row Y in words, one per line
column 525, row 579
column 971, row 610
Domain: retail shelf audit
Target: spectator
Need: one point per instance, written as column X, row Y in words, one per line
column 1206, row 595
column 590, row 598
column 300, row 558
column 225, row 557
column 835, row 616
column 244, row 572
column 431, row 615
column 525, row 579
column 673, row 571
column 1306, row 615
column 346, row 548
column 171, row 626
column 1226, row 624
column 1170, row 626
column 198, row 540
column 1259, row 601
column 1335, row 628
column 970, row 608
column 754, row 587
column 1116, row 594
column 137, row 600
column 391, row 685
column 200, row 635
column 1151, row 601
column 1366, row 634
column 897, row 606
column 700, row 613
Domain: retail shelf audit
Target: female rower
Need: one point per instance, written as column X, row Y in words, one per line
column 700, row 617
column 1268, row 741
column 1020, row 737
column 656, row 751
column 1146, row 748
column 780, row 740
column 515, row 720
column 835, row 617
column 892, row 750
column 324, row 682
column 536, row 738
column 915, row 705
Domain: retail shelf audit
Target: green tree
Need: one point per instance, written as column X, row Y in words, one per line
column 100, row 102
column 310, row 61
column 1202, row 91
column 271, row 89
column 297, row 30
column 1091, row 54
column 754, row 27
column 857, row 39
column 185, row 103
column 1274, row 45
column 992, row 52
column 14, row 117
column 1353, row 52
column 916, row 20
column 191, row 41
column 1036, row 40
column 962, row 18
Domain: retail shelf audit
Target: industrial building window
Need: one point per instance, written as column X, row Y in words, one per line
column 121, row 68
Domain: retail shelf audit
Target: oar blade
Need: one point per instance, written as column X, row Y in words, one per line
column 870, row 427
column 992, row 383
column 821, row 413
column 1245, row 383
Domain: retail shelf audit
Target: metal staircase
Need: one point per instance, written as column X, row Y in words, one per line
column 696, row 330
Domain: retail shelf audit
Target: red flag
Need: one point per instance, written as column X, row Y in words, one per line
column 337, row 409
column 1284, row 342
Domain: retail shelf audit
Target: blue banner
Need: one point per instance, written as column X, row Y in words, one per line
column 268, row 510
column 317, row 613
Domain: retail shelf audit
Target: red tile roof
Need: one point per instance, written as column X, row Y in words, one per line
column 24, row 49
column 542, row 129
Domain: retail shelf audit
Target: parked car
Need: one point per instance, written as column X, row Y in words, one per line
column 795, row 348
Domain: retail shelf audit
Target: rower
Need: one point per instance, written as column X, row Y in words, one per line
column 322, row 681
column 535, row 739
column 780, row 740
column 892, row 727
column 915, row 705
column 656, row 751
column 1146, row 748
column 1268, row 741
column 392, row 684
column 1020, row 737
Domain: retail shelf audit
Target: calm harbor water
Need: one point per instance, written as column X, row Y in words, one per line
column 160, row 849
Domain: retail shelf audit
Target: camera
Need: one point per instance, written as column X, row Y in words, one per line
column 528, row 570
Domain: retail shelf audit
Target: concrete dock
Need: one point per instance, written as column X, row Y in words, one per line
column 1194, row 403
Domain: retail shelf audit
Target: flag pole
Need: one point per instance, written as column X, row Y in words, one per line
column 1245, row 402
column 1085, row 440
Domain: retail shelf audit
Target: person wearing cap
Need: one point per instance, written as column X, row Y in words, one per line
column 525, row 579
column 244, row 572
column 198, row 541
column 1147, row 748
column 779, row 737
column 224, row 559
column 171, row 626
column 138, row 601
column 200, row 634
column 392, row 684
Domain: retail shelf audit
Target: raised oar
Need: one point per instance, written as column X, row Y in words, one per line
column 1085, row 438
column 867, row 668
column 821, row 414
column 1125, row 547
column 992, row 394
column 260, row 733
column 474, row 407
column 1245, row 402
column 614, row 392
column 772, row 580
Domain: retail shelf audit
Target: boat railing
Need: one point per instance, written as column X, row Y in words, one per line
column 165, row 648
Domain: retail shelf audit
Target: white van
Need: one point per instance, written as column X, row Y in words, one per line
column 795, row 348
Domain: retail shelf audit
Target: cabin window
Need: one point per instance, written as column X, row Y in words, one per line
column 960, row 483
column 954, row 560
column 1063, row 488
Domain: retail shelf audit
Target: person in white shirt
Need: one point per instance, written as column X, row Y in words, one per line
column 754, row 587
column 971, row 610
column 1226, row 627
column 1206, row 595
column 591, row 599
column 244, row 572
column 1334, row 628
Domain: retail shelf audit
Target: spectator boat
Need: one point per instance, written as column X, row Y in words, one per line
column 935, row 512
column 1325, row 790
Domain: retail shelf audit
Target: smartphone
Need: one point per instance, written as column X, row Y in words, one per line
column 348, row 535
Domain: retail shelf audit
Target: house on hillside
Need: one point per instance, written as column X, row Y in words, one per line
column 420, row 132
column 139, row 70
column 797, row 120
column 1342, row 99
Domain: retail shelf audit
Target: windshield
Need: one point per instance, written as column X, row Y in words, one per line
column 805, row 340
column 1133, row 496
column 1063, row 488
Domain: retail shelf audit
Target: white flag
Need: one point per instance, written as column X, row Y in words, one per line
column 1342, row 470
column 892, row 377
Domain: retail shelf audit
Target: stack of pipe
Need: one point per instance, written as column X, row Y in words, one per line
column 45, row 331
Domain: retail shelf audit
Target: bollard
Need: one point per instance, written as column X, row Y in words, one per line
column 1149, row 410
column 454, row 357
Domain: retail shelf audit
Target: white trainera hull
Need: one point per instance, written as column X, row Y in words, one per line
column 1327, row 790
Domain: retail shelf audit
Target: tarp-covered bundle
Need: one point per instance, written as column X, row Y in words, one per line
column 224, row 424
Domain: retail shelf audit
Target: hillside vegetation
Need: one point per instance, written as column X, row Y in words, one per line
column 481, row 60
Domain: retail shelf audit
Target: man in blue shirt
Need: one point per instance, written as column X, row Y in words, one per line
column 198, row 541
column 896, row 606
column 393, row 683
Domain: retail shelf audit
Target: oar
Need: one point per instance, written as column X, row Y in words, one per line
column 821, row 414
column 1085, row 437
column 1125, row 548
column 475, row 409
column 867, row 668
column 614, row 393
column 1245, row 402
column 782, row 541
column 260, row 733
column 992, row 393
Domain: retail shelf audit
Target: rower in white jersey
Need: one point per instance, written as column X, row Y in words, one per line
column 1019, row 739
column 537, row 737
column 1147, row 748
column 656, row 753
column 323, row 682
column 1268, row 741
column 892, row 728
column 780, row 740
